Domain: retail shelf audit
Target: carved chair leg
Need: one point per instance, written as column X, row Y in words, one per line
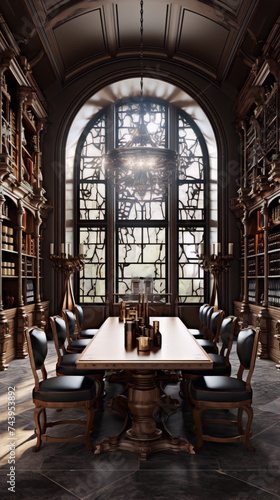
column 198, row 425
column 89, row 425
column 239, row 422
column 44, row 421
column 249, row 412
column 37, row 413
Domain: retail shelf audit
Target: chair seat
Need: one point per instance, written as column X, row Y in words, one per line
column 196, row 333
column 67, row 366
column 207, row 345
column 78, row 345
column 68, row 389
column 219, row 389
column 219, row 367
column 88, row 333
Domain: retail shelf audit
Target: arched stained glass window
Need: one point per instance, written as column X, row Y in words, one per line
column 150, row 232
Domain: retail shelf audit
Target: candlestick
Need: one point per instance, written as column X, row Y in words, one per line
column 51, row 248
column 69, row 248
column 62, row 248
column 68, row 265
column 219, row 248
column 201, row 249
column 81, row 249
column 216, row 264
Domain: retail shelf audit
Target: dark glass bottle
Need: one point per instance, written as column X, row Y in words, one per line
column 157, row 334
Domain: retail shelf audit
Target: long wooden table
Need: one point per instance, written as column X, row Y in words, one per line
column 179, row 351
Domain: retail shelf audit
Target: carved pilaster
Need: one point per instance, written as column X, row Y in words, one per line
column 2, row 201
column 265, row 214
column 22, row 94
column 277, row 336
column 4, row 340
column 22, row 323
column 5, row 160
column 263, row 323
column 20, row 227
column 40, row 319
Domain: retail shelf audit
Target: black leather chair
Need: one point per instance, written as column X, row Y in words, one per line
column 213, row 320
column 87, row 333
column 66, row 362
column 58, row 393
column 221, row 363
column 198, row 333
column 218, row 392
column 74, row 344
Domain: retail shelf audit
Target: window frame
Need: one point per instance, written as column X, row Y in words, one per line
column 172, row 285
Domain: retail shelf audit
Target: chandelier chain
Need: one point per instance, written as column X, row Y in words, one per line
column 141, row 46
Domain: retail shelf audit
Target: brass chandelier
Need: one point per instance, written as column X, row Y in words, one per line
column 147, row 165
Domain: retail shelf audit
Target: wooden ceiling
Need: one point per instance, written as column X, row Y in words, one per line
column 218, row 39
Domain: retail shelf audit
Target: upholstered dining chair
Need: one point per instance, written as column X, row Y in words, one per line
column 213, row 321
column 74, row 344
column 87, row 333
column 66, row 362
column 221, row 363
column 198, row 333
column 58, row 393
column 220, row 392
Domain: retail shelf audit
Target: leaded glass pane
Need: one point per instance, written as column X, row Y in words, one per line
column 191, row 283
column 141, row 255
column 91, row 166
column 191, row 157
column 191, row 201
column 191, row 291
column 92, row 276
column 154, row 119
column 92, row 201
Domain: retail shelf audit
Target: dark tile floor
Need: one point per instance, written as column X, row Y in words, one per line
column 68, row 471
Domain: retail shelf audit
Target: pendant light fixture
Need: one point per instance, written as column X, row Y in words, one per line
column 148, row 166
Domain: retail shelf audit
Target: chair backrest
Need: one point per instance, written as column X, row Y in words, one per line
column 200, row 313
column 70, row 320
column 78, row 310
column 215, row 322
column 247, row 346
column 59, row 331
column 209, row 313
column 227, row 331
column 204, row 315
column 37, row 349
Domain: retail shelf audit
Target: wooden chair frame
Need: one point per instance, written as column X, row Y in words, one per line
column 40, row 409
column 186, row 377
column 200, row 406
column 99, row 379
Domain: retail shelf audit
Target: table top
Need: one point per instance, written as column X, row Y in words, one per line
column 179, row 349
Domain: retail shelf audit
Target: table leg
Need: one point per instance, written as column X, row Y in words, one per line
column 144, row 437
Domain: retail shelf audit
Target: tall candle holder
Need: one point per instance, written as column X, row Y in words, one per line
column 216, row 264
column 67, row 264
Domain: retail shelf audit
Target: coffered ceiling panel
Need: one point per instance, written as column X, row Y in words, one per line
column 196, row 32
column 218, row 39
column 128, row 16
column 80, row 38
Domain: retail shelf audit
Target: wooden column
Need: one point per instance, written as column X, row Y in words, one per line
column 40, row 319
column 22, row 96
column 263, row 316
column 21, row 316
column 245, row 310
column 5, row 162
column 4, row 325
